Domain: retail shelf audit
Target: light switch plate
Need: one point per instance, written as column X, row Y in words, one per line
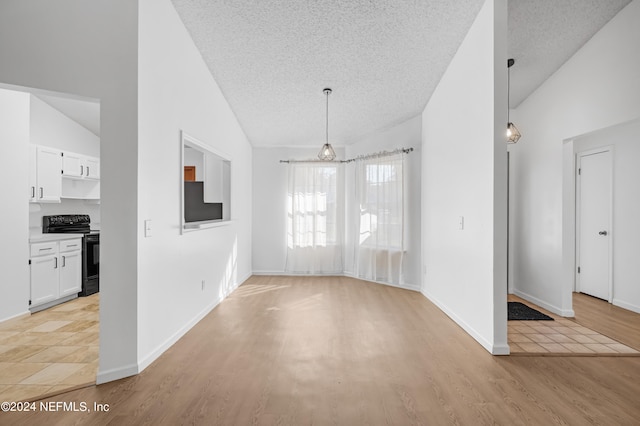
column 461, row 223
column 147, row 228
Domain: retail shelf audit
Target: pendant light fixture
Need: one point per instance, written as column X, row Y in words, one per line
column 327, row 153
column 513, row 134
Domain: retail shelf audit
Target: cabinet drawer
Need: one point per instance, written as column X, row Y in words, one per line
column 70, row 245
column 43, row 249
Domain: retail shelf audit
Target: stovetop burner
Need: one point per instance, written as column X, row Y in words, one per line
column 66, row 223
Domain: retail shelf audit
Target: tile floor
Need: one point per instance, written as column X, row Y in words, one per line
column 561, row 337
column 50, row 351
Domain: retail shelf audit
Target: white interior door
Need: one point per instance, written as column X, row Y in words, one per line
column 594, row 223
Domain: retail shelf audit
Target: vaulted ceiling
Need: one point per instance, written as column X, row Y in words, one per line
column 383, row 59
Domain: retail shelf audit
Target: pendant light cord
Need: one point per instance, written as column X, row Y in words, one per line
column 508, row 92
column 327, row 92
column 510, row 63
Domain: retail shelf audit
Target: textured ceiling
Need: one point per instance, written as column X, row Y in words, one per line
column 272, row 59
column 544, row 34
column 383, row 59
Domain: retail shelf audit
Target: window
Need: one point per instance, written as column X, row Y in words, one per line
column 379, row 248
column 380, row 190
column 314, row 218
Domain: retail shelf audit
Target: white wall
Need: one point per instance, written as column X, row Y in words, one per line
column 49, row 127
column 89, row 49
column 269, row 246
column 597, row 88
column 14, row 213
column 177, row 92
column 464, row 174
column 625, row 139
column 404, row 135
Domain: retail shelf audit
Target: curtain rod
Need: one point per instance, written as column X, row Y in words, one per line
column 358, row 158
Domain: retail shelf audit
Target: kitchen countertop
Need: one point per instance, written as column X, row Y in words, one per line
column 42, row 238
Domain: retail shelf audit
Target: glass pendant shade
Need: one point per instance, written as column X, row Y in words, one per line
column 513, row 134
column 327, row 153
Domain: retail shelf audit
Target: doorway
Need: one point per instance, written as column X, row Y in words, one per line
column 594, row 223
column 52, row 346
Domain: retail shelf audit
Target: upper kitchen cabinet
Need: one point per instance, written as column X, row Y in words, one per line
column 80, row 166
column 92, row 165
column 68, row 127
column 45, row 182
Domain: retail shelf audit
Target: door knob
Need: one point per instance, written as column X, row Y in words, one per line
column 602, row 233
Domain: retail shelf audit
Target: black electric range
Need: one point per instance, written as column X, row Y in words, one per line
column 80, row 224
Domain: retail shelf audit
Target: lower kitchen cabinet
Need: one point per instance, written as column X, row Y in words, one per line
column 45, row 278
column 70, row 268
column 56, row 272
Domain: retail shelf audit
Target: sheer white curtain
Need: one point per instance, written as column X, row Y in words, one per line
column 379, row 239
column 315, row 218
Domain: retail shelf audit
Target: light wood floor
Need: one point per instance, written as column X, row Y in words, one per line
column 334, row 350
column 50, row 351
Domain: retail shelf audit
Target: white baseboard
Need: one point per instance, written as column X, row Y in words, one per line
column 16, row 316
column 549, row 307
column 500, row 350
column 53, row 303
column 269, row 273
column 131, row 370
column 147, row 360
column 405, row 286
column 116, row 374
column 625, row 305
column 297, row 274
column 466, row 327
column 343, row 274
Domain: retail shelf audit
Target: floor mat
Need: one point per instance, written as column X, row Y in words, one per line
column 520, row 312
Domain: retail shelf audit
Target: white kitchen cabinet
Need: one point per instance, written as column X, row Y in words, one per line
column 48, row 182
column 70, row 272
column 45, row 275
column 92, row 165
column 72, row 164
column 56, row 272
column 80, row 176
column 33, row 181
column 80, row 166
